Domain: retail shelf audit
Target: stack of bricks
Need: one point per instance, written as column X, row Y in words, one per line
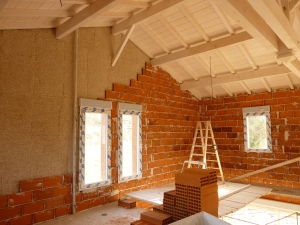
column 196, row 191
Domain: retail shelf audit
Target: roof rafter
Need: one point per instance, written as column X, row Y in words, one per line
column 195, row 23
column 173, row 31
column 156, row 39
column 222, row 17
column 293, row 4
column 188, row 70
column 140, row 17
column 247, row 55
column 265, row 83
column 212, row 45
column 225, row 61
column 205, row 66
column 250, row 20
column 289, row 81
column 2, row 4
column 271, row 71
column 272, row 13
column 227, row 89
column 246, row 88
column 96, row 8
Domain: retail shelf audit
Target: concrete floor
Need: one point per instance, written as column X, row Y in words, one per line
column 109, row 214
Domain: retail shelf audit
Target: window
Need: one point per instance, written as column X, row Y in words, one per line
column 94, row 143
column 257, row 129
column 130, row 142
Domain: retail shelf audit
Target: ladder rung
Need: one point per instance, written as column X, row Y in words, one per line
column 212, row 160
column 197, row 154
column 198, row 145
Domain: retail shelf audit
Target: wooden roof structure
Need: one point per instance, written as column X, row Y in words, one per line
column 211, row 47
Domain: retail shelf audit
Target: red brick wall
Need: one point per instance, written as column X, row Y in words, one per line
column 168, row 121
column 227, row 122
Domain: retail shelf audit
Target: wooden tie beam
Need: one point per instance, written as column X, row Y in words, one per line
column 266, row 169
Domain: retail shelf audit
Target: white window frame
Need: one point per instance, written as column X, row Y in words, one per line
column 257, row 111
column 96, row 106
column 129, row 109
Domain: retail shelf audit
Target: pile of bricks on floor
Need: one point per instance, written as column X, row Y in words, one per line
column 196, row 191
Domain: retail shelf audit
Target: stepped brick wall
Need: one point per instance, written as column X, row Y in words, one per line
column 168, row 121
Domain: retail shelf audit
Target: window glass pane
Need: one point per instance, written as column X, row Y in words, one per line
column 95, row 147
column 130, row 144
column 257, row 132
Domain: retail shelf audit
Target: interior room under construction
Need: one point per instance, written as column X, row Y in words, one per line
column 149, row 112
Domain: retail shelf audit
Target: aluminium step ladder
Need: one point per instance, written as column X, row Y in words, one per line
column 204, row 138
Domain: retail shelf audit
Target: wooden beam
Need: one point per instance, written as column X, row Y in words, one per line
column 222, row 17
column 272, row 13
column 96, row 8
column 266, row 169
column 247, row 56
column 285, row 8
column 289, row 81
column 35, row 13
column 205, row 66
column 246, row 88
column 225, row 61
column 265, row 83
column 34, row 25
column 194, row 22
column 135, row 4
column 212, row 45
column 2, row 4
column 188, row 70
column 164, row 21
column 140, row 17
column 203, row 82
column 289, row 60
column 156, row 39
column 224, row 86
column 293, row 4
column 122, row 45
column 242, row 12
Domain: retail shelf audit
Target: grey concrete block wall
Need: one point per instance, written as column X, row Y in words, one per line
column 37, row 93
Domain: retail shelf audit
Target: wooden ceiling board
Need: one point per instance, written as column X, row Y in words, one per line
column 47, row 5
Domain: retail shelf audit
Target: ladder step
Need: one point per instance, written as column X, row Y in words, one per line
column 197, row 154
column 212, row 160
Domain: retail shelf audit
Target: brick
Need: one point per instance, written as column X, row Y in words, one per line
column 10, row 212
column 43, row 216
column 30, row 185
column 119, row 88
column 68, row 179
column 83, row 205
column 24, row 220
column 64, row 210
column 20, row 198
column 97, row 201
column 55, row 202
column 33, row 207
column 63, row 190
column 52, row 181
column 3, row 201
column 111, row 95
column 43, row 194
column 90, row 195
